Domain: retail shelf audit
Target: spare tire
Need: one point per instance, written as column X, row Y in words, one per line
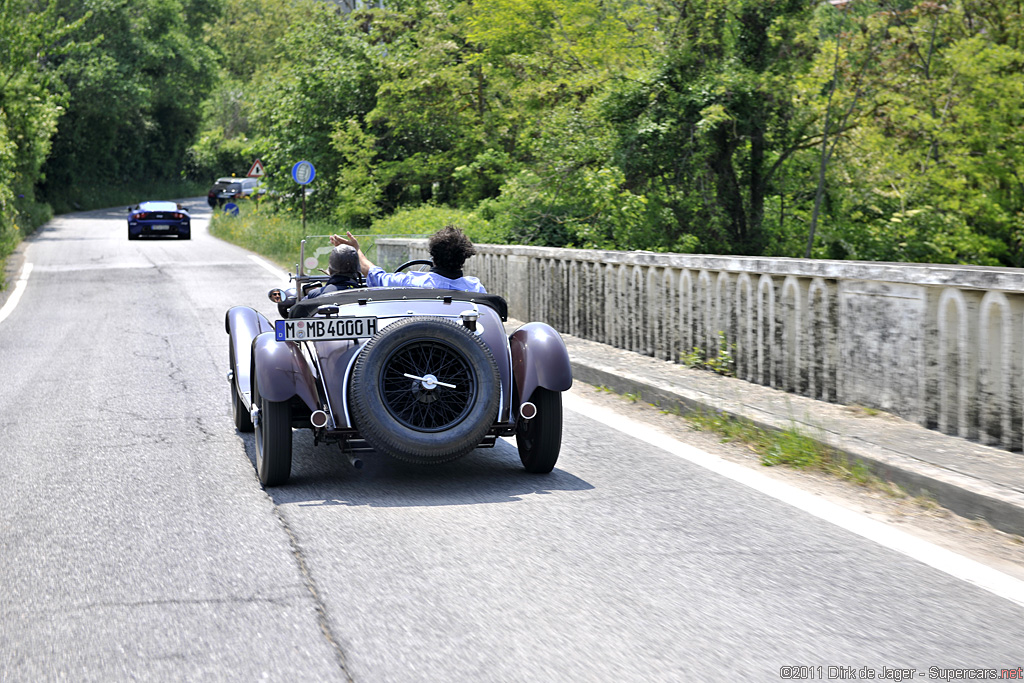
column 425, row 390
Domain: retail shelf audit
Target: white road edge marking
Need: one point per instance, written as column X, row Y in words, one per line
column 958, row 566
column 19, row 288
column 272, row 269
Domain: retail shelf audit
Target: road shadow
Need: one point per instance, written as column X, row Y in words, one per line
column 323, row 476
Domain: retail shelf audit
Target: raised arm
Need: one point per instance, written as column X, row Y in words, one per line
column 364, row 263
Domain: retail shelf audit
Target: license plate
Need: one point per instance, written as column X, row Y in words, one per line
column 159, row 227
column 325, row 329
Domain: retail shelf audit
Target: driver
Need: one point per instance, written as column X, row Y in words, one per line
column 449, row 248
column 342, row 269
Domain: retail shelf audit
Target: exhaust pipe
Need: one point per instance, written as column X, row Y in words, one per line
column 355, row 462
column 527, row 411
column 318, row 419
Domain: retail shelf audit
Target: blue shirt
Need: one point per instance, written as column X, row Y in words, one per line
column 378, row 278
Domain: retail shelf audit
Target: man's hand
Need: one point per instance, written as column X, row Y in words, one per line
column 364, row 263
column 350, row 240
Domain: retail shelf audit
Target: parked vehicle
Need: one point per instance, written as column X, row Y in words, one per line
column 159, row 218
column 422, row 375
column 232, row 189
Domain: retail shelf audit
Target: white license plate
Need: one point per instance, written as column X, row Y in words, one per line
column 325, row 329
column 159, row 227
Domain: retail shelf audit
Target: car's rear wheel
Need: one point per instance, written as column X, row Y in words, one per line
column 243, row 421
column 539, row 440
column 131, row 236
column 273, row 440
column 185, row 235
column 425, row 390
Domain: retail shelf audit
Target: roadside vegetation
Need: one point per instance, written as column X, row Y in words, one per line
column 791, row 447
column 888, row 130
column 273, row 231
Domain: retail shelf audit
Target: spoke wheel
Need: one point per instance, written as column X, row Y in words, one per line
column 424, row 389
column 417, row 404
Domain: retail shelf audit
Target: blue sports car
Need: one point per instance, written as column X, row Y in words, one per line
column 159, row 218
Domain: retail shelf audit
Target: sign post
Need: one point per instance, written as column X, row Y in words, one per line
column 256, row 171
column 303, row 173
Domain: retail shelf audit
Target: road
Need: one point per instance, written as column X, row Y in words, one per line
column 137, row 544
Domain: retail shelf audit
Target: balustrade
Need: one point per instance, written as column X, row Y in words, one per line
column 934, row 344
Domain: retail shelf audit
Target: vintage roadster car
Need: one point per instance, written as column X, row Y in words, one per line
column 422, row 375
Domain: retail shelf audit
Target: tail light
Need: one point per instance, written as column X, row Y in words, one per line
column 178, row 216
column 142, row 216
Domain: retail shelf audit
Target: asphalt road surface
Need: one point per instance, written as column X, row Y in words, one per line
column 137, row 544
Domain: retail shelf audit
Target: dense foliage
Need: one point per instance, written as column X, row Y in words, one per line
column 868, row 129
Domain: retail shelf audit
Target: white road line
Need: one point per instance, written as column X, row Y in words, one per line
column 272, row 269
column 19, row 288
column 966, row 569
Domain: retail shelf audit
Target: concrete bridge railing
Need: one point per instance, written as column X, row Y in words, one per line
column 938, row 345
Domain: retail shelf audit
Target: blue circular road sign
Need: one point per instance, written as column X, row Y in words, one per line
column 231, row 208
column 303, row 172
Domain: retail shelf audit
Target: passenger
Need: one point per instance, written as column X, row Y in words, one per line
column 449, row 248
column 342, row 269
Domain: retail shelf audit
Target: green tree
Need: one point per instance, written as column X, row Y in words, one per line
column 551, row 63
column 32, row 34
column 245, row 37
column 933, row 172
column 133, row 100
column 706, row 134
column 437, row 110
column 326, row 75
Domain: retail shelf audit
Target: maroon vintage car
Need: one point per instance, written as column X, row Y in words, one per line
column 423, row 375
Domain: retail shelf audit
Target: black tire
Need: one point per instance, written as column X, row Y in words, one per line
column 273, row 441
column 539, row 440
column 131, row 236
column 406, row 419
column 241, row 416
column 185, row 235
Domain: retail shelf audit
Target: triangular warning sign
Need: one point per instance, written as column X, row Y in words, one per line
column 257, row 170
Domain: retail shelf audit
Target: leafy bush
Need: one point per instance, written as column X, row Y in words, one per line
column 262, row 228
column 585, row 208
column 213, row 156
column 426, row 220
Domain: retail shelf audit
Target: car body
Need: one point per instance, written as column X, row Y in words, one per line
column 232, row 189
column 159, row 218
column 422, row 375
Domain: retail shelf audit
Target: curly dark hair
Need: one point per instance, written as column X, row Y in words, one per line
column 449, row 248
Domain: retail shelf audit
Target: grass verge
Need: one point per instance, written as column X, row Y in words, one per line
column 271, row 233
column 273, row 230
column 790, row 447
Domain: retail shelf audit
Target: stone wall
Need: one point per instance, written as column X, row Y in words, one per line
column 934, row 344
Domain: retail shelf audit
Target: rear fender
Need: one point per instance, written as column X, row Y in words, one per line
column 539, row 359
column 243, row 324
column 281, row 371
